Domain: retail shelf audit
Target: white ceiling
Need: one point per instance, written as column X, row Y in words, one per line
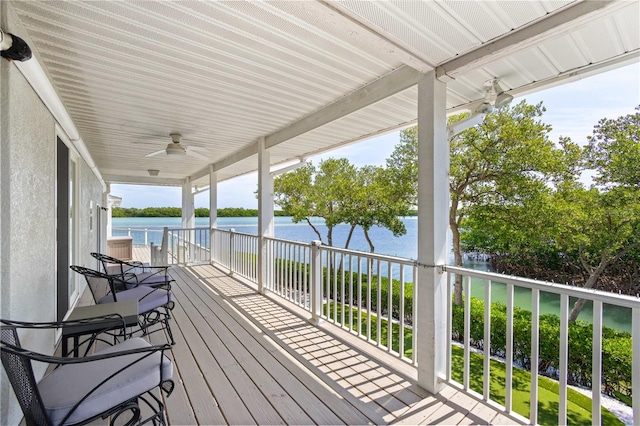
column 226, row 73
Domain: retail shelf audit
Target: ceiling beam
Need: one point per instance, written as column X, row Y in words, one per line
column 543, row 29
column 388, row 85
column 229, row 160
column 331, row 12
column 143, row 180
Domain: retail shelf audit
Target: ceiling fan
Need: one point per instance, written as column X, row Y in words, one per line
column 176, row 148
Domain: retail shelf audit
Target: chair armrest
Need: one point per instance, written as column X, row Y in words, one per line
column 92, row 380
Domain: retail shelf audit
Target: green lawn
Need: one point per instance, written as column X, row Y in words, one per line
column 578, row 407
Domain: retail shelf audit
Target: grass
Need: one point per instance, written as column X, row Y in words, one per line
column 578, row 405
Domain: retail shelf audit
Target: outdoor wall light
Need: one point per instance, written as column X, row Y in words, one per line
column 13, row 48
column 153, row 172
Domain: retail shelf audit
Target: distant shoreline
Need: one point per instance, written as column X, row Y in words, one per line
column 199, row 212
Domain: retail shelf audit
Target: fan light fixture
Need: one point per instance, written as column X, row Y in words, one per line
column 175, row 149
column 494, row 97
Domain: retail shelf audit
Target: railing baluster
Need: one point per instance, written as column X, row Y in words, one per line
column 535, row 340
column 378, row 304
column 401, row 312
column 369, row 283
column 564, row 357
column 508, row 403
column 414, row 335
column 467, row 331
column 351, row 292
column 486, row 384
column 389, row 308
column 635, row 366
column 359, row 295
column 343, row 305
column 596, row 363
column 335, row 287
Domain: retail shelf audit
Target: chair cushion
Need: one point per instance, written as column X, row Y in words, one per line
column 66, row 385
column 148, row 298
column 149, row 278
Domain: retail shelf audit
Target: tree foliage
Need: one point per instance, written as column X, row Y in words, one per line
column 507, row 158
column 565, row 232
column 341, row 193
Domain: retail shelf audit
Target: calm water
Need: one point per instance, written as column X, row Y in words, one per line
column 385, row 243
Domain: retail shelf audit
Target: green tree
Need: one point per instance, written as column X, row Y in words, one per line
column 563, row 228
column 374, row 202
column 316, row 192
column 605, row 224
column 499, row 161
column 341, row 193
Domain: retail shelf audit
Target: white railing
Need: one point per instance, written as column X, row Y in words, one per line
column 140, row 236
column 186, row 246
column 485, row 279
column 288, row 269
column 366, row 294
column 236, row 252
column 352, row 290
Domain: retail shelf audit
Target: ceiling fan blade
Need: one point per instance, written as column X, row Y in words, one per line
column 192, row 153
column 153, row 154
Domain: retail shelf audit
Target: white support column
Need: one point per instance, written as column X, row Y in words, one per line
column 188, row 221
column 213, row 198
column 188, row 211
column 433, row 224
column 265, row 211
column 213, row 209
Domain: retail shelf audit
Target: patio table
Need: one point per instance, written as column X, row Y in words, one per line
column 127, row 310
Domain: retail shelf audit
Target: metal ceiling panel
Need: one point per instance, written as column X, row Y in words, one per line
column 225, row 73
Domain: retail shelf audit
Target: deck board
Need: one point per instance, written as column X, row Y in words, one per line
column 244, row 358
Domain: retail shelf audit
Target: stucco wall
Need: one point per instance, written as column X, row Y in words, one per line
column 28, row 212
column 90, row 196
column 27, row 206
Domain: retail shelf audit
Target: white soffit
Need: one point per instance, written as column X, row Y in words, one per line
column 225, row 73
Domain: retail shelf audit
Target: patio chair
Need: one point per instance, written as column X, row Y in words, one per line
column 113, row 382
column 154, row 304
column 135, row 273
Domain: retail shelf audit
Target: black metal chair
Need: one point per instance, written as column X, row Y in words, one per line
column 154, row 303
column 135, row 273
column 108, row 383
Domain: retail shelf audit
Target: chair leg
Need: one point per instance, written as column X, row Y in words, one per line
column 167, row 326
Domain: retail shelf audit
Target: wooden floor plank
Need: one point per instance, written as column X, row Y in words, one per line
column 319, row 412
column 243, row 358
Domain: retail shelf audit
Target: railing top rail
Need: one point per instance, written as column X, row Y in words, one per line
column 374, row 256
column 280, row 240
column 581, row 293
column 128, row 228
column 226, row 231
column 206, row 228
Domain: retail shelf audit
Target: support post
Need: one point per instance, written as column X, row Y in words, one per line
column 232, row 254
column 188, row 220
column 265, row 213
column 315, row 286
column 213, row 209
column 433, row 224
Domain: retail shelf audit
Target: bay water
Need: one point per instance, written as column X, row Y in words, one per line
column 404, row 246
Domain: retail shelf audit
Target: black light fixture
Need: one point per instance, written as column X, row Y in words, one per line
column 13, row 48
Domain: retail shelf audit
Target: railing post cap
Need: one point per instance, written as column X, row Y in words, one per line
column 316, row 243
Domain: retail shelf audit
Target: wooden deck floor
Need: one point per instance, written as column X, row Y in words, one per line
column 244, row 358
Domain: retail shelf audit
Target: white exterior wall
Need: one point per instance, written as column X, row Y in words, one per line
column 28, row 212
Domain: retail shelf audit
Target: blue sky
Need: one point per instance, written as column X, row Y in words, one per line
column 572, row 110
